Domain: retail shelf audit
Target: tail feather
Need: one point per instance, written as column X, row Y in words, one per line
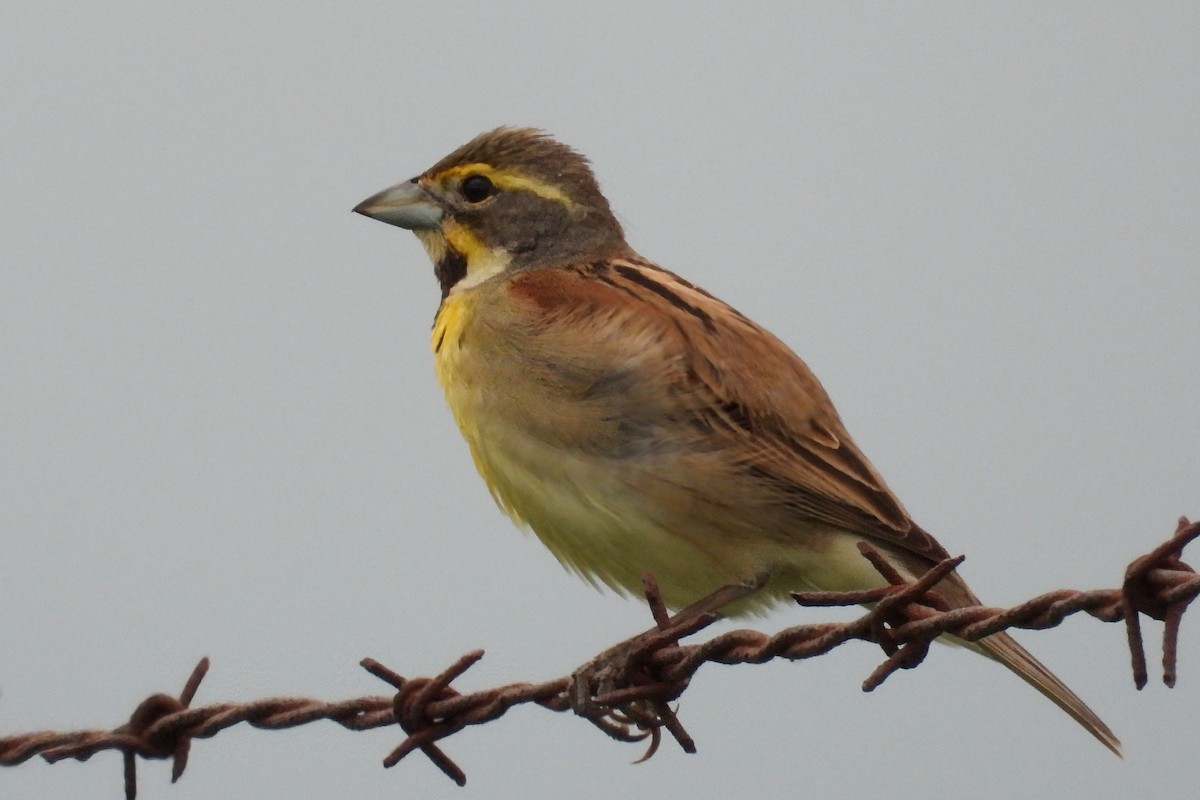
column 1003, row 648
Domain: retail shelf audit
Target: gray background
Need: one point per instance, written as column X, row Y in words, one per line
column 221, row 433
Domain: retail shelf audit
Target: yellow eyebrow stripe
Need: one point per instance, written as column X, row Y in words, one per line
column 508, row 179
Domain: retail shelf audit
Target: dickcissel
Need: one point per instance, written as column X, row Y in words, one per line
column 632, row 420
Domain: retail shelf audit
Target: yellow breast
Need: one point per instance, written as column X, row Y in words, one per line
column 448, row 326
column 453, row 369
column 460, row 373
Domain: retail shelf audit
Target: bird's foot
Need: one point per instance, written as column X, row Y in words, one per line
column 622, row 674
column 627, row 672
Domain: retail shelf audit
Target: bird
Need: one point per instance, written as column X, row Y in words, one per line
column 635, row 422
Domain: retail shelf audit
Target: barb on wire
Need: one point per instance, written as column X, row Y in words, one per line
column 626, row 691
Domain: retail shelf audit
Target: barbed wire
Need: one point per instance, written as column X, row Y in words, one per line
column 626, row 691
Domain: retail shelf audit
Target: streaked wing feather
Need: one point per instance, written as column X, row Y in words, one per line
column 744, row 385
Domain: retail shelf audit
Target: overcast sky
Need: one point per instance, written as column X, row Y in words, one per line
column 222, row 436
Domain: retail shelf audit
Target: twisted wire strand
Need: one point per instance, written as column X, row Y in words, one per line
column 628, row 696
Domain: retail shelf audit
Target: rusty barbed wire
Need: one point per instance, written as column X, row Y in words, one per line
column 626, row 691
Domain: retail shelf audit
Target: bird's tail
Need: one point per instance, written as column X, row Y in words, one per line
column 1003, row 648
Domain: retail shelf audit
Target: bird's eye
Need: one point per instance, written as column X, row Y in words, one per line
column 477, row 188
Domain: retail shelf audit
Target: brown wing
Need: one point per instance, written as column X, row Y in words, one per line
column 741, row 384
column 743, row 392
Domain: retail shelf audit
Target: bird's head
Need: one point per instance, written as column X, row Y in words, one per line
column 512, row 198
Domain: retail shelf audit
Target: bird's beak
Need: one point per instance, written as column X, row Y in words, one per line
column 406, row 204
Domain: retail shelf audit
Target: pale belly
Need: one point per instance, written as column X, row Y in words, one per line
column 613, row 521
